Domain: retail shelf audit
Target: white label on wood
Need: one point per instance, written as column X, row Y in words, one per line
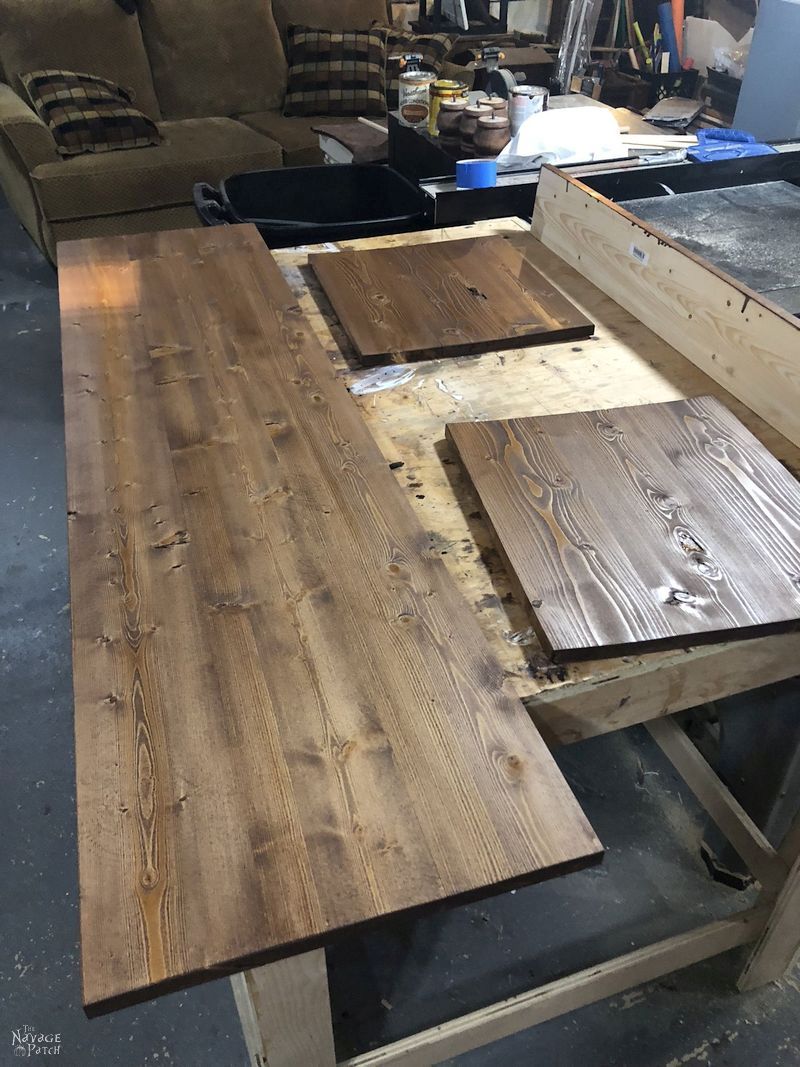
column 639, row 254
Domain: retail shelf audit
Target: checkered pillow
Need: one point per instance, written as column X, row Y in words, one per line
column 334, row 73
column 88, row 114
column 433, row 47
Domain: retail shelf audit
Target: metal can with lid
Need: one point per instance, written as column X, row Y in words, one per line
column 524, row 101
column 414, row 94
column 443, row 89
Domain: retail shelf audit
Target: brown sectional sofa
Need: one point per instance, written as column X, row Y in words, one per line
column 213, row 75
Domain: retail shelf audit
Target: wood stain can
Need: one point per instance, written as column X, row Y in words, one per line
column 415, row 91
column 443, row 89
column 524, row 101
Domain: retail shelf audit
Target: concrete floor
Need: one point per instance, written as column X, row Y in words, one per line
column 392, row 981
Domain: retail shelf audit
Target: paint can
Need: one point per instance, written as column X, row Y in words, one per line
column 415, row 91
column 443, row 89
column 524, row 101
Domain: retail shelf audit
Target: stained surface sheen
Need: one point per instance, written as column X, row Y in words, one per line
column 288, row 722
column 658, row 525
column 445, row 298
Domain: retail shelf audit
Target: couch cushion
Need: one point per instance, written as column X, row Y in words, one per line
column 193, row 150
column 328, row 14
column 336, row 73
column 293, row 133
column 88, row 114
column 220, row 58
column 92, row 35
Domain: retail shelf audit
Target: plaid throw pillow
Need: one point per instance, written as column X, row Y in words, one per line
column 433, row 47
column 336, row 73
column 86, row 113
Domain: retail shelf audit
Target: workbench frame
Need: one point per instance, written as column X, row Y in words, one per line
column 285, row 1011
column 284, row 1007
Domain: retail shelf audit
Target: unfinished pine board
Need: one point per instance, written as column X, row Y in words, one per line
column 446, row 298
column 623, row 363
column 567, row 994
column 741, row 339
column 285, row 1012
column 657, row 525
column 288, row 722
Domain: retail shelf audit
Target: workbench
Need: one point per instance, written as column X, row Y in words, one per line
column 284, row 1004
column 623, row 363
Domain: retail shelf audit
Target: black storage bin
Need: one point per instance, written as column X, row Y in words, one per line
column 309, row 205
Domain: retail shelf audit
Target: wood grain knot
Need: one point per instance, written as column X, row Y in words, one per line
column 476, row 292
column 276, row 428
column 680, row 596
column 609, row 432
column 514, row 764
column 180, row 537
column 705, row 565
column 687, row 541
column 343, row 752
column 229, row 607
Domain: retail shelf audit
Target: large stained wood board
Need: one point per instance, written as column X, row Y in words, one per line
column 447, row 298
column 288, row 722
column 630, row 529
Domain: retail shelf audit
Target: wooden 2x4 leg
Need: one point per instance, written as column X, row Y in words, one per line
column 777, row 948
column 285, row 1012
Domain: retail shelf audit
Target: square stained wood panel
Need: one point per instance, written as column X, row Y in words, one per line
column 445, row 298
column 657, row 526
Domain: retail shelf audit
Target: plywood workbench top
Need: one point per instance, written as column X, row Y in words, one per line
column 623, row 363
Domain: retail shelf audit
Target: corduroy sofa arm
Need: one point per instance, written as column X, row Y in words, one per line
column 23, row 131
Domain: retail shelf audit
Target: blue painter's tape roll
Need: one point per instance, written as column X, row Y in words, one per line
column 476, row 173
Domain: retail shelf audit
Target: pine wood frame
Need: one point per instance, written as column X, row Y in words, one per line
column 293, row 1029
column 297, row 1030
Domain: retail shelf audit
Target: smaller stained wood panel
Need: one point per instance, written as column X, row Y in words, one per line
column 445, row 298
column 655, row 526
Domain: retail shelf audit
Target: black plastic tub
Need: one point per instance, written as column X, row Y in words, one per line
column 309, row 205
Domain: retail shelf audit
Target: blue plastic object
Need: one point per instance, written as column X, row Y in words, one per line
column 670, row 41
column 476, row 173
column 716, row 145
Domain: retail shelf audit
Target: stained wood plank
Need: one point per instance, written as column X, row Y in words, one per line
column 445, row 298
column 288, row 723
column 653, row 526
